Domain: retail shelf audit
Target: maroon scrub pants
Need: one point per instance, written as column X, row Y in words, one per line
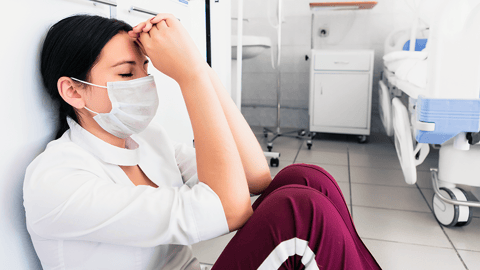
column 301, row 221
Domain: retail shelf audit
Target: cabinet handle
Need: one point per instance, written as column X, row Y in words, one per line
column 137, row 9
column 342, row 62
column 105, row 2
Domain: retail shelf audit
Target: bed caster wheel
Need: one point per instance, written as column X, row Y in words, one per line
column 362, row 139
column 302, row 132
column 450, row 215
column 274, row 162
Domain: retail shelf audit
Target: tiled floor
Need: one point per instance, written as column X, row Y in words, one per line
column 394, row 219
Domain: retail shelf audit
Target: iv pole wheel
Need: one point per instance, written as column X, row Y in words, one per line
column 450, row 215
column 265, row 132
column 274, row 162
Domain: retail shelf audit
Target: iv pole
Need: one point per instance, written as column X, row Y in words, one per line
column 277, row 133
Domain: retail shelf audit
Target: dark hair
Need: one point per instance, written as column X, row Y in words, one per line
column 71, row 48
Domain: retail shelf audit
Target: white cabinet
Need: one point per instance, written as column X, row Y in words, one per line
column 172, row 112
column 341, row 91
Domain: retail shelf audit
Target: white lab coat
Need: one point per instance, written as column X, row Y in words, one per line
column 83, row 212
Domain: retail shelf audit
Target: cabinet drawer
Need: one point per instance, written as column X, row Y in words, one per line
column 342, row 61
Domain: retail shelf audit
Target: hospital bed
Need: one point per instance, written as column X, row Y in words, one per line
column 429, row 95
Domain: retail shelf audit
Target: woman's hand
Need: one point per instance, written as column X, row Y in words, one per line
column 169, row 46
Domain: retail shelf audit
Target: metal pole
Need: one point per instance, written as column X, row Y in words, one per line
column 311, row 34
column 278, row 100
column 238, row 96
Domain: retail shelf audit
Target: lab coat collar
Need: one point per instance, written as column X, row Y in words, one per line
column 103, row 150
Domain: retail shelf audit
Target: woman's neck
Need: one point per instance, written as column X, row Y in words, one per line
column 93, row 127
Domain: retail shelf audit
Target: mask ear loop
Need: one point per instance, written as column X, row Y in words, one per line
column 87, row 83
column 85, row 107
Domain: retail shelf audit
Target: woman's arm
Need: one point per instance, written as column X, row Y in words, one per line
column 254, row 163
column 171, row 50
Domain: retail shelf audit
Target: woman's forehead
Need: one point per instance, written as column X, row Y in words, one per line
column 121, row 46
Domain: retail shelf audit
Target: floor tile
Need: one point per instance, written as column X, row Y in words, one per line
column 209, row 251
column 428, row 195
column 327, row 146
column 388, row 177
column 379, row 138
column 401, row 256
column 461, row 237
column 372, row 149
column 345, row 188
column 320, row 157
column 374, row 161
column 378, row 176
column 471, row 259
column 399, row 226
column 389, row 197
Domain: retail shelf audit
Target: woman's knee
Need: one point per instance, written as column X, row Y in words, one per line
column 307, row 175
column 301, row 173
column 287, row 200
column 298, row 208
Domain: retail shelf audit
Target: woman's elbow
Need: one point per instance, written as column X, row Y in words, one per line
column 239, row 218
column 259, row 183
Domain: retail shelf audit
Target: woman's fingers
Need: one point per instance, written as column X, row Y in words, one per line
column 147, row 25
column 139, row 43
column 139, row 27
column 132, row 34
column 163, row 17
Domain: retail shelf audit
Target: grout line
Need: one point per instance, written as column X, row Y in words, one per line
column 407, row 243
column 298, row 152
column 391, row 209
column 441, row 227
column 349, row 182
column 456, row 251
column 469, row 250
column 384, row 185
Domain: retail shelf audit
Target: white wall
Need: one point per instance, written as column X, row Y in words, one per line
column 221, row 41
column 28, row 117
column 365, row 29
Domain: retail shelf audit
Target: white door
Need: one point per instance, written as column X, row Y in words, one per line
column 172, row 113
column 341, row 100
column 28, row 117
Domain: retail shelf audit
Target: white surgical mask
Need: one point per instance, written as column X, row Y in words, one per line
column 134, row 104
